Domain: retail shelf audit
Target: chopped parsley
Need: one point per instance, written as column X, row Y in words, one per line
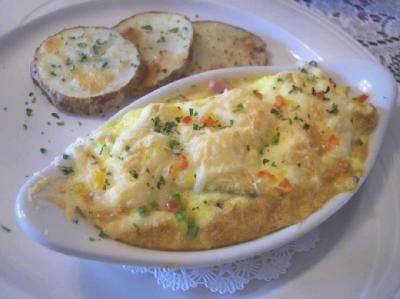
column 265, row 161
column 192, row 228
column 157, row 124
column 106, row 184
column 174, row 30
column 239, row 107
column 102, row 148
column 333, row 110
column 66, row 170
column 81, row 56
column 279, row 79
column 175, row 147
column 96, row 49
column 295, row 89
column 68, row 61
column 178, row 198
column 161, row 182
column 65, row 156
column 136, row 227
column 55, row 115
column 53, row 73
column 104, row 65
column 312, row 78
column 275, row 111
column 60, row 123
column 43, row 150
column 180, row 215
column 275, row 138
column 197, row 127
column 147, row 27
column 134, row 173
column 192, row 112
column 81, row 45
column 127, row 148
column 143, row 211
column 28, row 112
column 5, row 228
column 161, row 39
column 169, row 127
column 103, row 235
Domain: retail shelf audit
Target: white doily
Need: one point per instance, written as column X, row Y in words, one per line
column 229, row 278
column 374, row 24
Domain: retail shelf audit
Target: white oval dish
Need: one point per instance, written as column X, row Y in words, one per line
column 45, row 223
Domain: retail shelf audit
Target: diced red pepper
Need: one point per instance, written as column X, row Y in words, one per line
column 285, row 184
column 264, row 174
column 208, row 121
column 279, row 101
column 217, row 86
column 186, row 119
column 333, row 139
column 171, row 205
column 320, row 95
column 362, row 98
column 182, row 162
column 258, row 94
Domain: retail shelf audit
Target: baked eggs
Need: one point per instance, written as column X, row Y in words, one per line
column 219, row 166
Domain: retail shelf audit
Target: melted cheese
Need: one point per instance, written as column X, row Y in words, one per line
column 273, row 138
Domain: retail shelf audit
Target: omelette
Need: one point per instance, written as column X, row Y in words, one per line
column 209, row 168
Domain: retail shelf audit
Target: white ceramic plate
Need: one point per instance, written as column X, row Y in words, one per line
column 360, row 245
column 46, row 224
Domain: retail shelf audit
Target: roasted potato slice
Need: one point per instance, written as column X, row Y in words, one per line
column 86, row 69
column 219, row 45
column 164, row 41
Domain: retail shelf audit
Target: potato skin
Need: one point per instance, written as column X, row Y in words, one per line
column 84, row 105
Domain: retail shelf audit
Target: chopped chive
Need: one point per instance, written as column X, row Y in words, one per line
column 104, row 65
column 65, row 156
column 134, row 173
column 174, row 30
column 68, row 61
column 28, row 112
column 60, row 123
column 82, row 45
column 43, row 150
column 275, row 138
column 143, row 211
column 136, row 227
column 180, row 215
column 55, row 115
column 66, row 170
column 102, row 148
column 147, row 27
column 161, row 182
column 192, row 228
column 333, row 110
column 103, row 235
column 239, row 107
column 5, row 228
